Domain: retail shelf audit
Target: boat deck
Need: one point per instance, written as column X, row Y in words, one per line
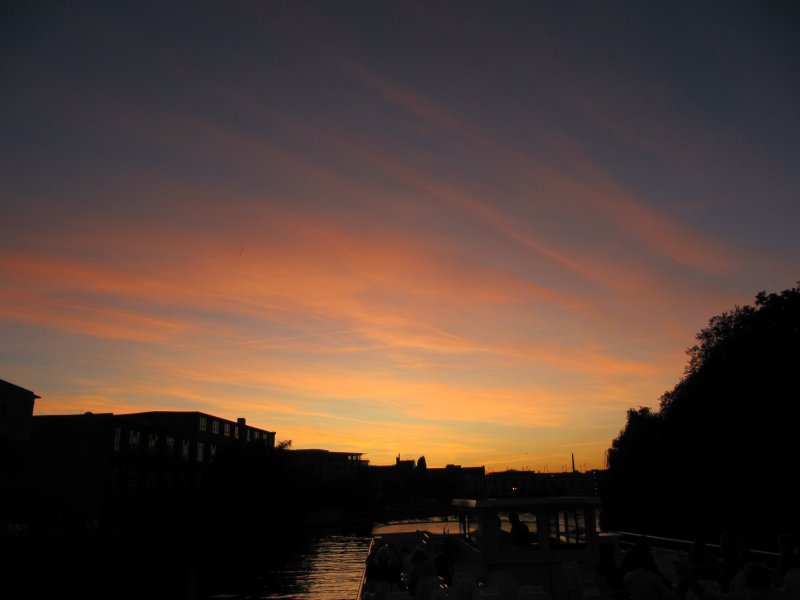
column 478, row 558
column 502, row 549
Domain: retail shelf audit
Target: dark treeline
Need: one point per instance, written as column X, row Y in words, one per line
column 722, row 452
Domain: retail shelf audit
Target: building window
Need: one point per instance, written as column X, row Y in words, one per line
column 131, row 480
column 117, row 438
column 212, row 450
column 248, row 435
column 200, row 447
column 133, row 440
column 152, row 443
column 169, row 446
column 215, row 426
column 236, row 431
column 227, row 430
column 202, row 424
column 152, row 481
column 185, row 449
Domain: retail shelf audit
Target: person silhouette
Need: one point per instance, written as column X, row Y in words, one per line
column 607, row 572
column 730, row 548
column 642, row 578
column 787, row 559
column 421, row 568
column 520, row 533
column 757, row 586
column 389, row 562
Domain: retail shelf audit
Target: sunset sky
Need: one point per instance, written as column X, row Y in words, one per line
column 474, row 231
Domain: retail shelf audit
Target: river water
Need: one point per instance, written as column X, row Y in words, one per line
column 330, row 567
column 327, row 568
column 322, row 567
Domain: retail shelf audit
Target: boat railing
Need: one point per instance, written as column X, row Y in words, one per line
column 627, row 539
column 364, row 573
column 669, row 553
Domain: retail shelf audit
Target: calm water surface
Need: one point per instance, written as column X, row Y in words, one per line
column 329, row 568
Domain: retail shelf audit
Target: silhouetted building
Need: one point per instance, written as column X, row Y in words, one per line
column 16, row 409
column 326, row 466
column 513, row 483
column 15, row 401
column 455, row 481
column 81, row 467
column 405, row 481
column 103, row 466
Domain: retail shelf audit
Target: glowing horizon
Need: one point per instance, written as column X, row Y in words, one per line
column 484, row 257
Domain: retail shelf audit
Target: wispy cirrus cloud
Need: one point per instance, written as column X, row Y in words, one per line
column 604, row 199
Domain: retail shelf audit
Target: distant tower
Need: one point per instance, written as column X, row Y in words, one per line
column 573, row 462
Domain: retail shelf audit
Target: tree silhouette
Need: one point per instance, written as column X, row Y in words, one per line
column 722, row 451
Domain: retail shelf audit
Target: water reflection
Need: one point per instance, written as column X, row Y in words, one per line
column 326, row 567
column 329, row 568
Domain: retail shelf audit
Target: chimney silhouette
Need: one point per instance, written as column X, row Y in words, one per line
column 573, row 462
